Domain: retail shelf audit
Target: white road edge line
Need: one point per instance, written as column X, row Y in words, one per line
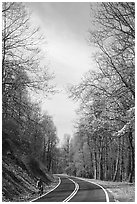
column 113, row 195
column 74, row 192
column 107, row 197
column 48, row 191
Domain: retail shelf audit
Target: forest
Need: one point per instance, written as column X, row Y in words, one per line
column 103, row 145
column 22, row 76
column 29, row 137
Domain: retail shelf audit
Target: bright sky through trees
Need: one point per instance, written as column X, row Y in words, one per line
column 65, row 26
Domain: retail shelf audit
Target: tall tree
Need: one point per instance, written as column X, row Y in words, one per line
column 23, row 74
column 21, row 67
column 108, row 94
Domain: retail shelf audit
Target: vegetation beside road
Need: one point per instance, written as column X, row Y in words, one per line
column 29, row 136
column 122, row 191
column 46, row 189
column 19, row 179
column 103, row 145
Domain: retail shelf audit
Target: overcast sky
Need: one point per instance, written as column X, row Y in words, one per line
column 65, row 26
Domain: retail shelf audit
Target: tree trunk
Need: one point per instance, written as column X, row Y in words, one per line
column 94, row 164
column 44, row 151
column 132, row 169
column 121, row 160
column 105, row 162
column 117, row 163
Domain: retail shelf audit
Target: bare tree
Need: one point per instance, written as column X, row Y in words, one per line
column 21, row 67
column 108, row 94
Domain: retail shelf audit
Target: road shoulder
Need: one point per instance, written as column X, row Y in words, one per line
column 47, row 190
column 121, row 191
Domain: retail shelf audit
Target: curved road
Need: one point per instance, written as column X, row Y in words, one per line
column 72, row 189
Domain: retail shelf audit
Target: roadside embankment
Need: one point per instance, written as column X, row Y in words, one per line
column 19, row 179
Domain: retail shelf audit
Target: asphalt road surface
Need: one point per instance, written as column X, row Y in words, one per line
column 71, row 189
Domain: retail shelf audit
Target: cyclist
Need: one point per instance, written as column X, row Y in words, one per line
column 40, row 186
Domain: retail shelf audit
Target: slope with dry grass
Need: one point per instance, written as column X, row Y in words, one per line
column 19, row 178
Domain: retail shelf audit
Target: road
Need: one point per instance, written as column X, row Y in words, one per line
column 72, row 189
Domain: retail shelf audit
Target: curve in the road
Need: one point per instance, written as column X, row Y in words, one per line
column 74, row 189
column 48, row 191
column 74, row 192
column 106, row 194
column 63, row 191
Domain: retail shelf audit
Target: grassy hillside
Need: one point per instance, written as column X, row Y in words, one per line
column 20, row 174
